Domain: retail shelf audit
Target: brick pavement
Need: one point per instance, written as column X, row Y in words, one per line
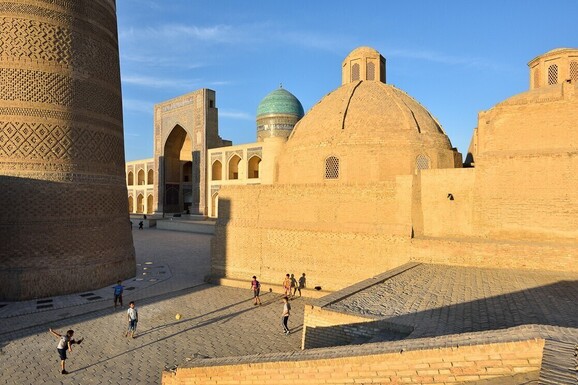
column 217, row 321
column 439, row 300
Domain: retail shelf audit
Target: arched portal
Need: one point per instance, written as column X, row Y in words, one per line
column 139, row 204
column 130, row 204
column 178, row 171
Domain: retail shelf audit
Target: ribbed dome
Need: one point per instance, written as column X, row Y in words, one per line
column 280, row 101
column 376, row 130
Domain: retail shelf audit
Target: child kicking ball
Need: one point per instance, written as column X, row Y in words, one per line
column 65, row 343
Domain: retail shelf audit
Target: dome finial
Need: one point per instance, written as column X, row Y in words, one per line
column 280, row 85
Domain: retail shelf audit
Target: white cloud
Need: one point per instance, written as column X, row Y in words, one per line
column 135, row 105
column 159, row 61
column 169, row 34
column 153, row 82
column 238, row 115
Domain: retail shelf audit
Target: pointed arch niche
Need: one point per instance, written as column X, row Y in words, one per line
column 253, row 167
column 234, row 167
column 216, row 170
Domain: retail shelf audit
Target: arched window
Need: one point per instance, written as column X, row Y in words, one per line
column 574, row 72
column 553, row 74
column 141, row 177
column 130, row 204
column 422, row 162
column 254, row 164
column 332, row 168
column 370, row 71
column 355, row 72
column 150, row 204
column 150, row 177
column 140, row 204
column 130, row 178
column 217, row 170
column 234, row 167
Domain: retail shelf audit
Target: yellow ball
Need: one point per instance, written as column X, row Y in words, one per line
column 178, row 316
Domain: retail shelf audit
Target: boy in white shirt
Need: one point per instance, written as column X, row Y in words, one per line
column 132, row 315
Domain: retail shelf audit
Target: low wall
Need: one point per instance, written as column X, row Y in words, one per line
column 499, row 363
column 186, row 226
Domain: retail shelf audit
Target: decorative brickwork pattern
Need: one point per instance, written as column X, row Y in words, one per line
column 355, row 72
column 422, row 162
column 61, row 149
column 553, row 74
column 370, row 71
column 574, row 71
column 332, row 168
column 45, row 141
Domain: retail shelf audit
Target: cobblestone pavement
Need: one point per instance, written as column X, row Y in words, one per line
column 439, row 300
column 216, row 321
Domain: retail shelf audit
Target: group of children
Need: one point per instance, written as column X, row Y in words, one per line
column 290, row 284
column 66, row 341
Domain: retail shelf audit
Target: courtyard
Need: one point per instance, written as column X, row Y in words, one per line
column 216, row 321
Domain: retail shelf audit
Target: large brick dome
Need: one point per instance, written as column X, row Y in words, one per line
column 367, row 130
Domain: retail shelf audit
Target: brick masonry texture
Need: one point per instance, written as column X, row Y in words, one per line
column 454, row 365
column 64, row 224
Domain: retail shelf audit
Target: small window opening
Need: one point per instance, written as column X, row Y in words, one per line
column 553, row 74
column 332, row 168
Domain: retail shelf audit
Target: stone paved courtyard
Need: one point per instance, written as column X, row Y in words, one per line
column 440, row 300
column 217, row 322
column 220, row 321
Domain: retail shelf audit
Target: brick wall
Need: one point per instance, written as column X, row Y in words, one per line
column 500, row 363
column 320, row 230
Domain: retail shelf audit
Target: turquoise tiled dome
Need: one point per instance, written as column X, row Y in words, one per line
column 280, row 101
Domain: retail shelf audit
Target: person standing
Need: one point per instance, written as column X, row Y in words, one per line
column 65, row 343
column 256, row 286
column 293, row 285
column 118, row 289
column 286, row 314
column 132, row 315
column 302, row 283
column 287, row 285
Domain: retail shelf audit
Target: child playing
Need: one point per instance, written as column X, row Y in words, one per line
column 132, row 315
column 286, row 313
column 256, row 286
column 287, row 285
column 302, row 283
column 118, row 289
column 65, row 343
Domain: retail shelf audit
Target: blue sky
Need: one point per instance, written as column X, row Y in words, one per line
column 455, row 57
